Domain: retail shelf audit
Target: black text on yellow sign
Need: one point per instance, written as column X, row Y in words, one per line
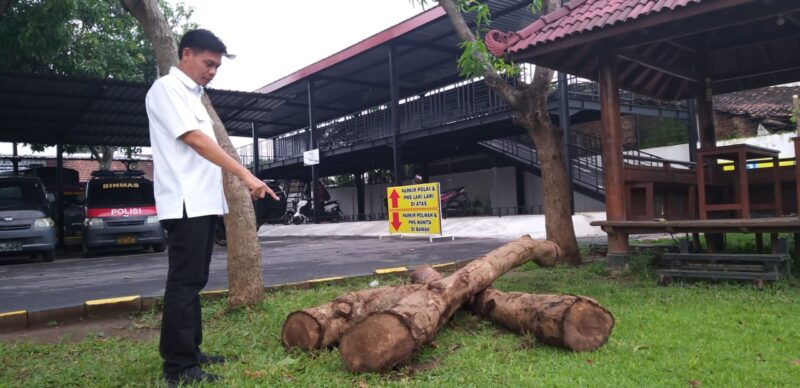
column 414, row 209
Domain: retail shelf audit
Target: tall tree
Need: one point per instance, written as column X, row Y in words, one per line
column 85, row 38
column 529, row 101
column 245, row 283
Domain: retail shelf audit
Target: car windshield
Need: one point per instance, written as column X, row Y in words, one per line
column 16, row 194
column 120, row 192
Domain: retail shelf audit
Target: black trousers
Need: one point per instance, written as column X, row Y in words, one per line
column 190, row 242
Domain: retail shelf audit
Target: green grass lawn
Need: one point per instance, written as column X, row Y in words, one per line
column 699, row 334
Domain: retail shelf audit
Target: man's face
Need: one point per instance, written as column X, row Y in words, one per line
column 200, row 66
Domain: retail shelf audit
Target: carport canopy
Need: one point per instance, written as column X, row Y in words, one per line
column 82, row 111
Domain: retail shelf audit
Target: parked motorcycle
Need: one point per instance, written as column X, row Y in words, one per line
column 303, row 211
column 455, row 202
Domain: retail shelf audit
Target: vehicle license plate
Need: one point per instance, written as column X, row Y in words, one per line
column 126, row 240
column 10, row 246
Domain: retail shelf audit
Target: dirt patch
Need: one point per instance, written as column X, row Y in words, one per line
column 131, row 328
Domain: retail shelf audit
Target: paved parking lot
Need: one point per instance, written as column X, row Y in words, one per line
column 72, row 279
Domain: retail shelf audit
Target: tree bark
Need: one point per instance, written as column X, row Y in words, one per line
column 531, row 106
column 389, row 338
column 322, row 326
column 245, row 282
column 573, row 322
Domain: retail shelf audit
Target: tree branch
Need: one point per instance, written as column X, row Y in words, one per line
column 497, row 83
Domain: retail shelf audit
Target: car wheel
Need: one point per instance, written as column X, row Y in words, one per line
column 158, row 248
column 87, row 252
column 49, row 256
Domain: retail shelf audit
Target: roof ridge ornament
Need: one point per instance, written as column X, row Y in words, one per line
column 498, row 41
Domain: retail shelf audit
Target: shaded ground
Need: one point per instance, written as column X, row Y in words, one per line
column 131, row 328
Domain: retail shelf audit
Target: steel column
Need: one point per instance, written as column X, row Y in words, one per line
column 313, row 144
column 60, row 192
column 564, row 123
column 256, row 161
column 359, row 178
column 394, row 92
column 613, row 178
column 15, row 159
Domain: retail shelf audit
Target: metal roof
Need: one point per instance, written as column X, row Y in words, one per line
column 666, row 46
column 46, row 109
column 357, row 78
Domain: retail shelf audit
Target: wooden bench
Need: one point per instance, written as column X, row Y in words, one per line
column 755, row 267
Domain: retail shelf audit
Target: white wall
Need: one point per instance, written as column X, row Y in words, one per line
column 779, row 141
column 498, row 185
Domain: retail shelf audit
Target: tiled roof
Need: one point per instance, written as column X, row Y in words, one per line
column 577, row 17
column 773, row 102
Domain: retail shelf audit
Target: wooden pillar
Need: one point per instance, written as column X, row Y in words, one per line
column 613, row 178
column 715, row 242
column 705, row 114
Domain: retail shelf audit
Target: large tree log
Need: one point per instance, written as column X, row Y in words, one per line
column 388, row 338
column 574, row 322
column 322, row 326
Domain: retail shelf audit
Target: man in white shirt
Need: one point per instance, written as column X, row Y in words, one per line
column 189, row 197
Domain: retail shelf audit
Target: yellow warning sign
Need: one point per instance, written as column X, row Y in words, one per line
column 414, row 209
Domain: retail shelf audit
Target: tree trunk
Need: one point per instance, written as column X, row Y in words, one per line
column 531, row 106
column 389, row 338
column 574, row 322
column 245, row 282
column 322, row 326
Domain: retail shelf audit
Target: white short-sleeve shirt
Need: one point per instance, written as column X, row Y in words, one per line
column 181, row 176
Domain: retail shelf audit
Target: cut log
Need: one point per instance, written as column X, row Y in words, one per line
column 574, row 322
column 577, row 323
column 322, row 326
column 389, row 338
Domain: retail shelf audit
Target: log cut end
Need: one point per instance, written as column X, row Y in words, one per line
column 301, row 330
column 378, row 343
column 587, row 326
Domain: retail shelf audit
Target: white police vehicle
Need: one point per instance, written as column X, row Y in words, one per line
column 121, row 213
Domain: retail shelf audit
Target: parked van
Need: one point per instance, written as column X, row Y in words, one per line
column 25, row 224
column 74, row 211
column 121, row 213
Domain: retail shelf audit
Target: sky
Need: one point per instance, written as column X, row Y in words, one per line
column 272, row 39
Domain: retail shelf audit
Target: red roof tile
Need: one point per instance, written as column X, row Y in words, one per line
column 774, row 101
column 577, row 17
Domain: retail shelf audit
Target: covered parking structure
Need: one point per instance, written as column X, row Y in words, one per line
column 81, row 111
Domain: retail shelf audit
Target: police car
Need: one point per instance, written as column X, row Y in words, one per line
column 121, row 213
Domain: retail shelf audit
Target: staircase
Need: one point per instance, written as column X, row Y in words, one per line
column 585, row 159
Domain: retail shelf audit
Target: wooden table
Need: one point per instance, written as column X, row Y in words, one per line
column 739, row 154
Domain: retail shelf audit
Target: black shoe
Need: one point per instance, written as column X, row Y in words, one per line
column 208, row 359
column 191, row 376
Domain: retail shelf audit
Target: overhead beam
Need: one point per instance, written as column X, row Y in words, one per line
column 661, row 66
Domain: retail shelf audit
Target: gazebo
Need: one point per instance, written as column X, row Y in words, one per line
column 670, row 50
